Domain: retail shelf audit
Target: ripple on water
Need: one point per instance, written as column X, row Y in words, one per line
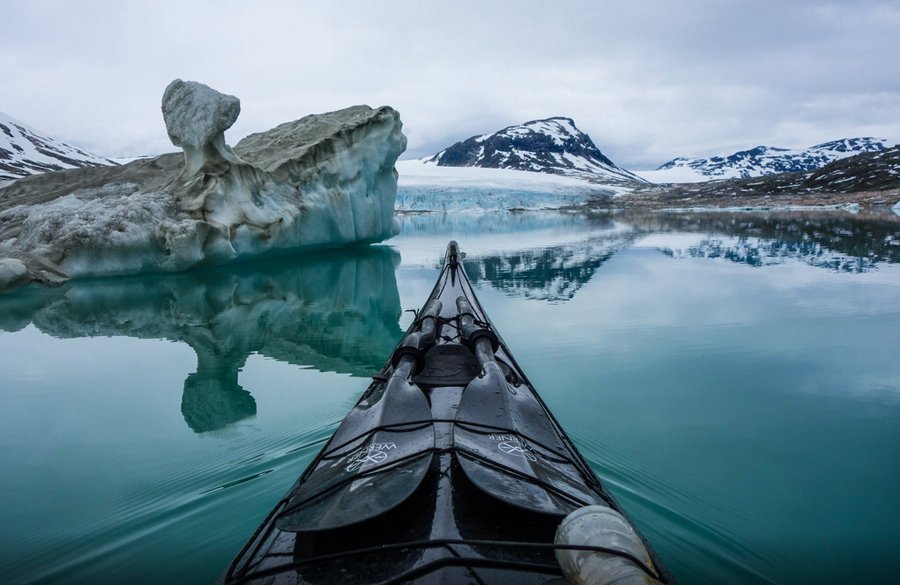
column 700, row 539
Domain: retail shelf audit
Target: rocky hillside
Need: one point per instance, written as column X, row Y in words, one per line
column 870, row 179
column 767, row 160
column 552, row 145
column 875, row 171
column 25, row 151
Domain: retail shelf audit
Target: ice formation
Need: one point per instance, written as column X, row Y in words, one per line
column 12, row 272
column 427, row 187
column 324, row 181
column 197, row 117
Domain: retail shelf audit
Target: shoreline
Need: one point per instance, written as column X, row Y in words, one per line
column 885, row 202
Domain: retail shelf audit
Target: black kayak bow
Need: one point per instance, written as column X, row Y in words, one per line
column 449, row 469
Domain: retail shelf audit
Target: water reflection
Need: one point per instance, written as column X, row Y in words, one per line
column 839, row 242
column 545, row 256
column 757, row 252
column 337, row 311
column 553, row 273
column 550, row 256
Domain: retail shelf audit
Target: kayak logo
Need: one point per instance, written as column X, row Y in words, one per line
column 513, row 445
column 372, row 455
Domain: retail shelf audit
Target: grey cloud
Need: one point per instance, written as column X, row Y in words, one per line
column 648, row 80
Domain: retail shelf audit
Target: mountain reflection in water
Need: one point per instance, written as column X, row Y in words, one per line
column 544, row 256
column 550, row 256
column 839, row 242
column 550, row 274
column 337, row 311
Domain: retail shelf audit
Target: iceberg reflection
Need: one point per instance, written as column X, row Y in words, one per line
column 337, row 311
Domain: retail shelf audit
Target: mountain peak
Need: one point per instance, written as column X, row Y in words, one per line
column 25, row 151
column 769, row 160
column 549, row 145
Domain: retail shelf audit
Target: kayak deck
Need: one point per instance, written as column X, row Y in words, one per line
column 449, row 469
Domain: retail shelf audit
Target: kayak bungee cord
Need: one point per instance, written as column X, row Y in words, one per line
column 449, row 544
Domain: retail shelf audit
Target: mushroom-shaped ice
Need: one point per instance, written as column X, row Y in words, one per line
column 197, row 117
column 323, row 181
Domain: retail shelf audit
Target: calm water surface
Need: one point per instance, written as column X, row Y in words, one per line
column 734, row 378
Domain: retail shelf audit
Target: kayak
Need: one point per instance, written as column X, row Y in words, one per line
column 450, row 469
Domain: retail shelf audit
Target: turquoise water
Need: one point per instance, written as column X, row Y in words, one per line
column 734, row 378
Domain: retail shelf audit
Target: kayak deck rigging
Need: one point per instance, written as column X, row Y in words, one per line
column 449, row 469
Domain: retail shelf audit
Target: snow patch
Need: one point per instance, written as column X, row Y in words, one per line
column 679, row 174
column 26, row 151
column 766, row 160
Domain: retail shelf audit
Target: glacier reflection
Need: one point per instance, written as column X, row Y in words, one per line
column 550, row 256
column 545, row 256
column 337, row 311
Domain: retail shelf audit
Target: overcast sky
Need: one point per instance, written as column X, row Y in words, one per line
column 647, row 80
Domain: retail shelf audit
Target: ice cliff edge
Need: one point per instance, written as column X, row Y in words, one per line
column 323, row 181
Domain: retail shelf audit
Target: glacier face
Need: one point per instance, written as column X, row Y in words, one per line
column 25, row 151
column 427, row 187
column 484, row 200
column 323, row 181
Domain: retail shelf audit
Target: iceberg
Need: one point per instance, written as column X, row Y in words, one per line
column 323, row 181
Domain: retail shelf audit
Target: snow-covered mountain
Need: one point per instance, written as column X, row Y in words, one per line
column 762, row 160
column 553, row 145
column 26, row 151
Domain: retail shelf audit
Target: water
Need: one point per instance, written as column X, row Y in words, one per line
column 733, row 378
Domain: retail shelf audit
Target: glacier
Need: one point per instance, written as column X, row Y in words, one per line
column 323, row 181
column 425, row 187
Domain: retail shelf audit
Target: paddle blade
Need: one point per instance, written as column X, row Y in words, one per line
column 356, row 497
column 375, row 461
column 525, row 464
